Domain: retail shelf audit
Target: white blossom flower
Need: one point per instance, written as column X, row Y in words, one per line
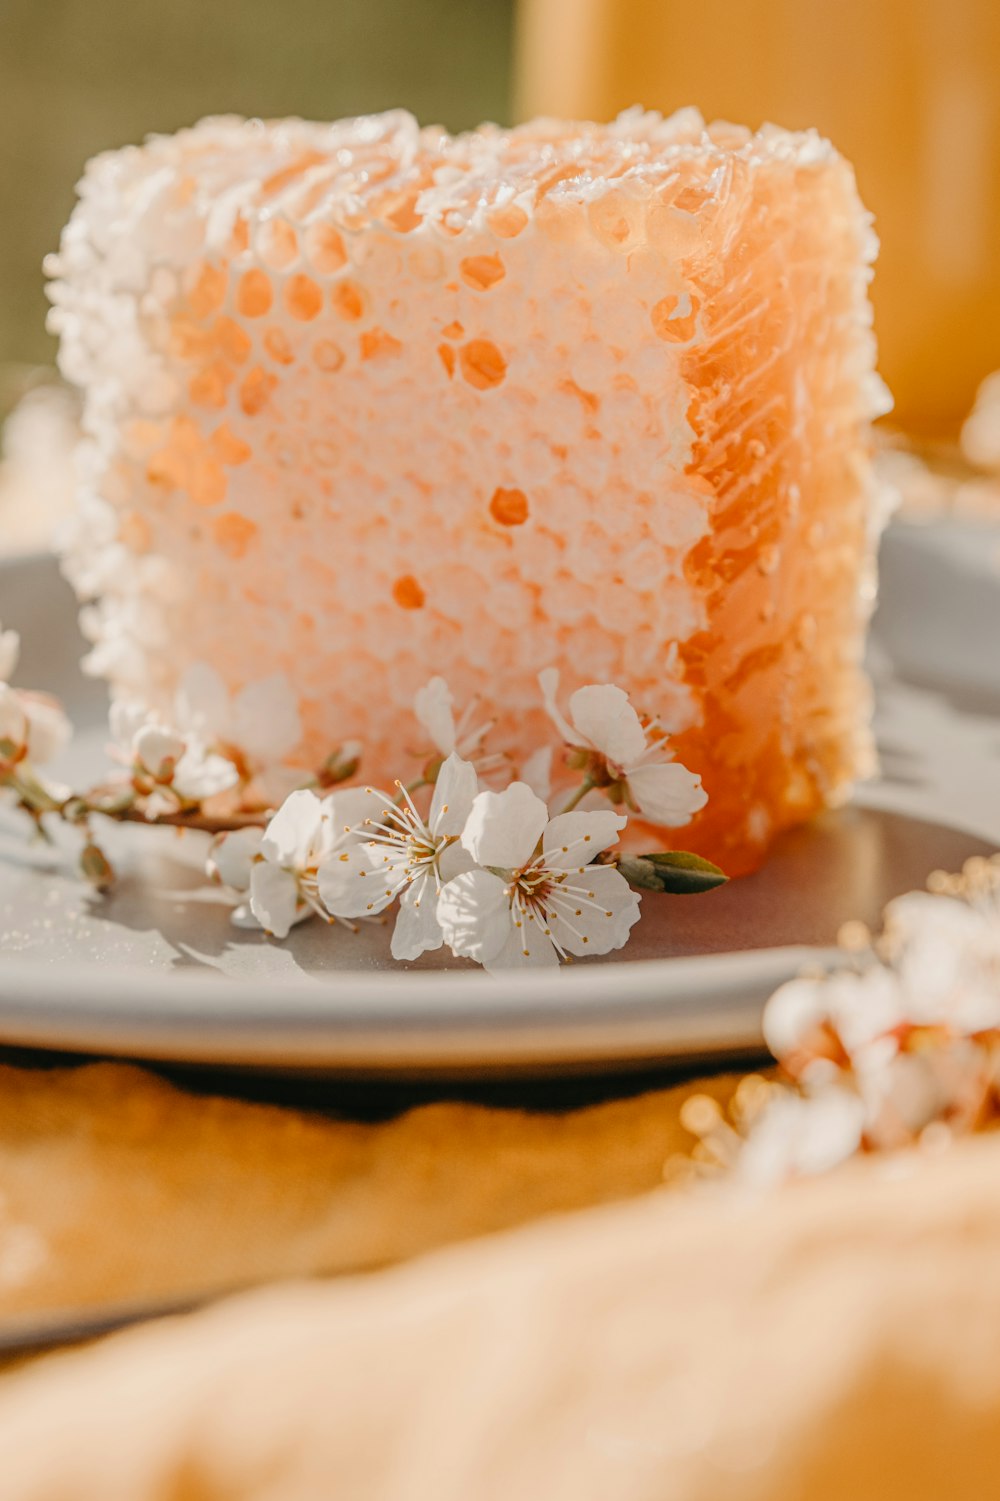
column 230, row 862
column 170, row 769
column 910, row 1032
column 33, row 723
column 157, row 749
column 628, row 759
column 461, row 735
column 797, row 1136
column 402, row 854
column 231, row 857
column 537, row 897
column 946, row 953
column 835, row 1017
column 13, row 722
column 201, row 774
column 261, row 721
column 434, row 706
column 305, row 832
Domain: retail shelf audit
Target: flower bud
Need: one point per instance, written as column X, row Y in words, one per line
column 96, row 867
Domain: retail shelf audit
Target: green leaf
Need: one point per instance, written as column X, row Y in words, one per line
column 676, row 872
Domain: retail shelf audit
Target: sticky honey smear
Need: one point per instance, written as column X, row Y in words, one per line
column 373, row 403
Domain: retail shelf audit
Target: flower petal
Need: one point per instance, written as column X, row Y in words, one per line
column 295, row 828
column 573, row 839
column 265, row 718
column 454, row 792
column 271, row 785
column 667, row 793
column 474, row 913
column 503, row 828
column 13, row 719
column 417, row 929
column 795, row 1012
column 434, row 707
column 350, row 807
column 537, row 772
column 527, row 947
column 10, row 650
column 606, row 720
column 548, row 681
column 454, row 861
column 200, row 776
column 125, row 719
column 594, row 913
column 203, row 703
column 158, row 749
column 361, row 880
column 242, row 917
column 48, row 728
column 274, row 898
column 231, row 857
column 910, row 918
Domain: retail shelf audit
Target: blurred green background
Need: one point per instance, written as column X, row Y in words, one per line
column 78, row 76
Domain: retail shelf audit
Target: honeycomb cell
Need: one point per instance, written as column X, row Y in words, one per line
column 303, row 298
column 254, row 294
column 279, row 346
column 509, row 507
column 348, row 301
column 482, row 364
column 327, row 356
column 324, row 248
column 255, row 391
column 234, row 533
column 376, row 344
column 480, row 272
column 277, row 244
column 408, row 593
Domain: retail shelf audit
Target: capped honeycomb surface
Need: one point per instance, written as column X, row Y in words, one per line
column 367, row 403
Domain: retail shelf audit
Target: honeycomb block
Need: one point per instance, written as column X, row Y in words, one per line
column 368, row 403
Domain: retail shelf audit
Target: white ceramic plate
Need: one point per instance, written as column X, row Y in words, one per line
column 156, row 970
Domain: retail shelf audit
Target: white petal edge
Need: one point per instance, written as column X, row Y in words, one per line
column 294, row 830
column 474, row 913
column 417, row 929
column 548, row 681
column 231, row 857
column 605, row 719
column 274, row 898
column 573, row 839
column 667, row 793
column 434, row 707
column 595, row 913
column 359, row 882
column 454, row 793
column 10, row 651
column 503, row 828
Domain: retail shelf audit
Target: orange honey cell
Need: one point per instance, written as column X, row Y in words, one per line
column 591, row 396
column 482, row 364
column 407, row 593
column 509, row 507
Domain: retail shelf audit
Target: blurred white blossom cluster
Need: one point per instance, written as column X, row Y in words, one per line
column 936, row 482
column 898, row 1047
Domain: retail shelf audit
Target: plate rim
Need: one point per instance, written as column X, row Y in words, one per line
column 391, row 1022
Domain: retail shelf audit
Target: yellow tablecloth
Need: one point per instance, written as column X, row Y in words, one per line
column 836, row 1338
